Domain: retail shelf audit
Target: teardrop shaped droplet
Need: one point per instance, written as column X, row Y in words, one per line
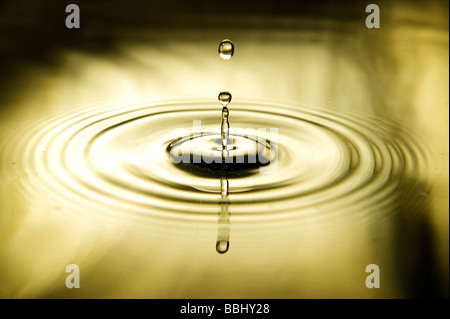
column 224, row 98
column 226, row 49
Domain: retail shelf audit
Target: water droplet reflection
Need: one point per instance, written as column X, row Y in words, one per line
column 222, row 246
column 223, row 233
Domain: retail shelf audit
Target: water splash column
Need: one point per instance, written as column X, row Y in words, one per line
column 225, row 99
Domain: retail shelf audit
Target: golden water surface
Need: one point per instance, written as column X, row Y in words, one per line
column 86, row 116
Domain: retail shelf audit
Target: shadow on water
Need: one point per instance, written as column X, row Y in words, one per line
column 414, row 243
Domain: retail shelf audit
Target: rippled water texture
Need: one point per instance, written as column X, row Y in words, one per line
column 356, row 174
column 117, row 159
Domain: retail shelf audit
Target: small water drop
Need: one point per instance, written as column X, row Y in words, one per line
column 226, row 49
column 224, row 98
column 222, row 246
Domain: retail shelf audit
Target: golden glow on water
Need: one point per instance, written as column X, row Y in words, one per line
column 362, row 118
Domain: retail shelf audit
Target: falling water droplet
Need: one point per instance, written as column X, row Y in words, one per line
column 224, row 98
column 226, row 49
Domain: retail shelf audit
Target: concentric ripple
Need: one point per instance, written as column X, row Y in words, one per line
column 116, row 160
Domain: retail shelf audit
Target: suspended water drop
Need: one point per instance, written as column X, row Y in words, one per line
column 226, row 49
column 224, row 98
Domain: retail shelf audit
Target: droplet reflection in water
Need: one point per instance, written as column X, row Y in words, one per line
column 222, row 246
column 223, row 234
column 226, row 49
